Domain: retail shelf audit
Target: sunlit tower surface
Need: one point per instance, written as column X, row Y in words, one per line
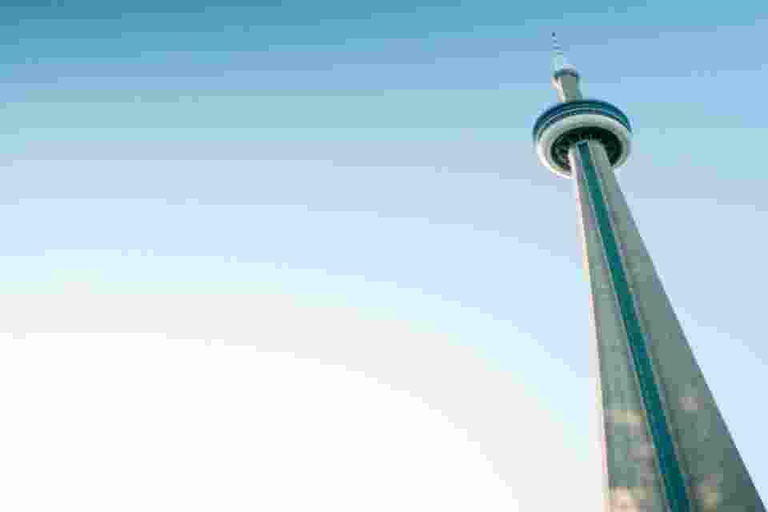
column 665, row 444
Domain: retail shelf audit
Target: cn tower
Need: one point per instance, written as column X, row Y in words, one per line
column 665, row 444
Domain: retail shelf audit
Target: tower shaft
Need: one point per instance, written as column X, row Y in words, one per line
column 566, row 84
column 666, row 446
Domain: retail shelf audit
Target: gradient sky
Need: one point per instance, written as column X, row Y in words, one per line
column 356, row 186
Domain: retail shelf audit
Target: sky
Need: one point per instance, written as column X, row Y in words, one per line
column 278, row 253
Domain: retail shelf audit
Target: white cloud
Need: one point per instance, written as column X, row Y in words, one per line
column 384, row 392
column 136, row 422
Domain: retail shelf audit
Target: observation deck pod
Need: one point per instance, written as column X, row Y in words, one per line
column 563, row 125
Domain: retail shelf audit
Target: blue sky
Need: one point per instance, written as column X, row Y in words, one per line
column 377, row 162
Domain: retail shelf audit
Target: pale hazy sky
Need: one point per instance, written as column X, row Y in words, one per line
column 351, row 193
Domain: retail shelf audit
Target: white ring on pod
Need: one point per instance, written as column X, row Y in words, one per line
column 551, row 133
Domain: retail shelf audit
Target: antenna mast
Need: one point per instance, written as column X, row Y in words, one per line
column 559, row 60
column 565, row 78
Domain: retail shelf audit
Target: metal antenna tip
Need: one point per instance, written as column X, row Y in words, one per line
column 559, row 57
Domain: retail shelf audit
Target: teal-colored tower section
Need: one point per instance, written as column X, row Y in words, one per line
column 665, row 444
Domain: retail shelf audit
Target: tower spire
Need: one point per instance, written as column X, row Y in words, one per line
column 558, row 59
column 565, row 78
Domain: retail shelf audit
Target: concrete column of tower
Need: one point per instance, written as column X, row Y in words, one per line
column 566, row 83
column 665, row 444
